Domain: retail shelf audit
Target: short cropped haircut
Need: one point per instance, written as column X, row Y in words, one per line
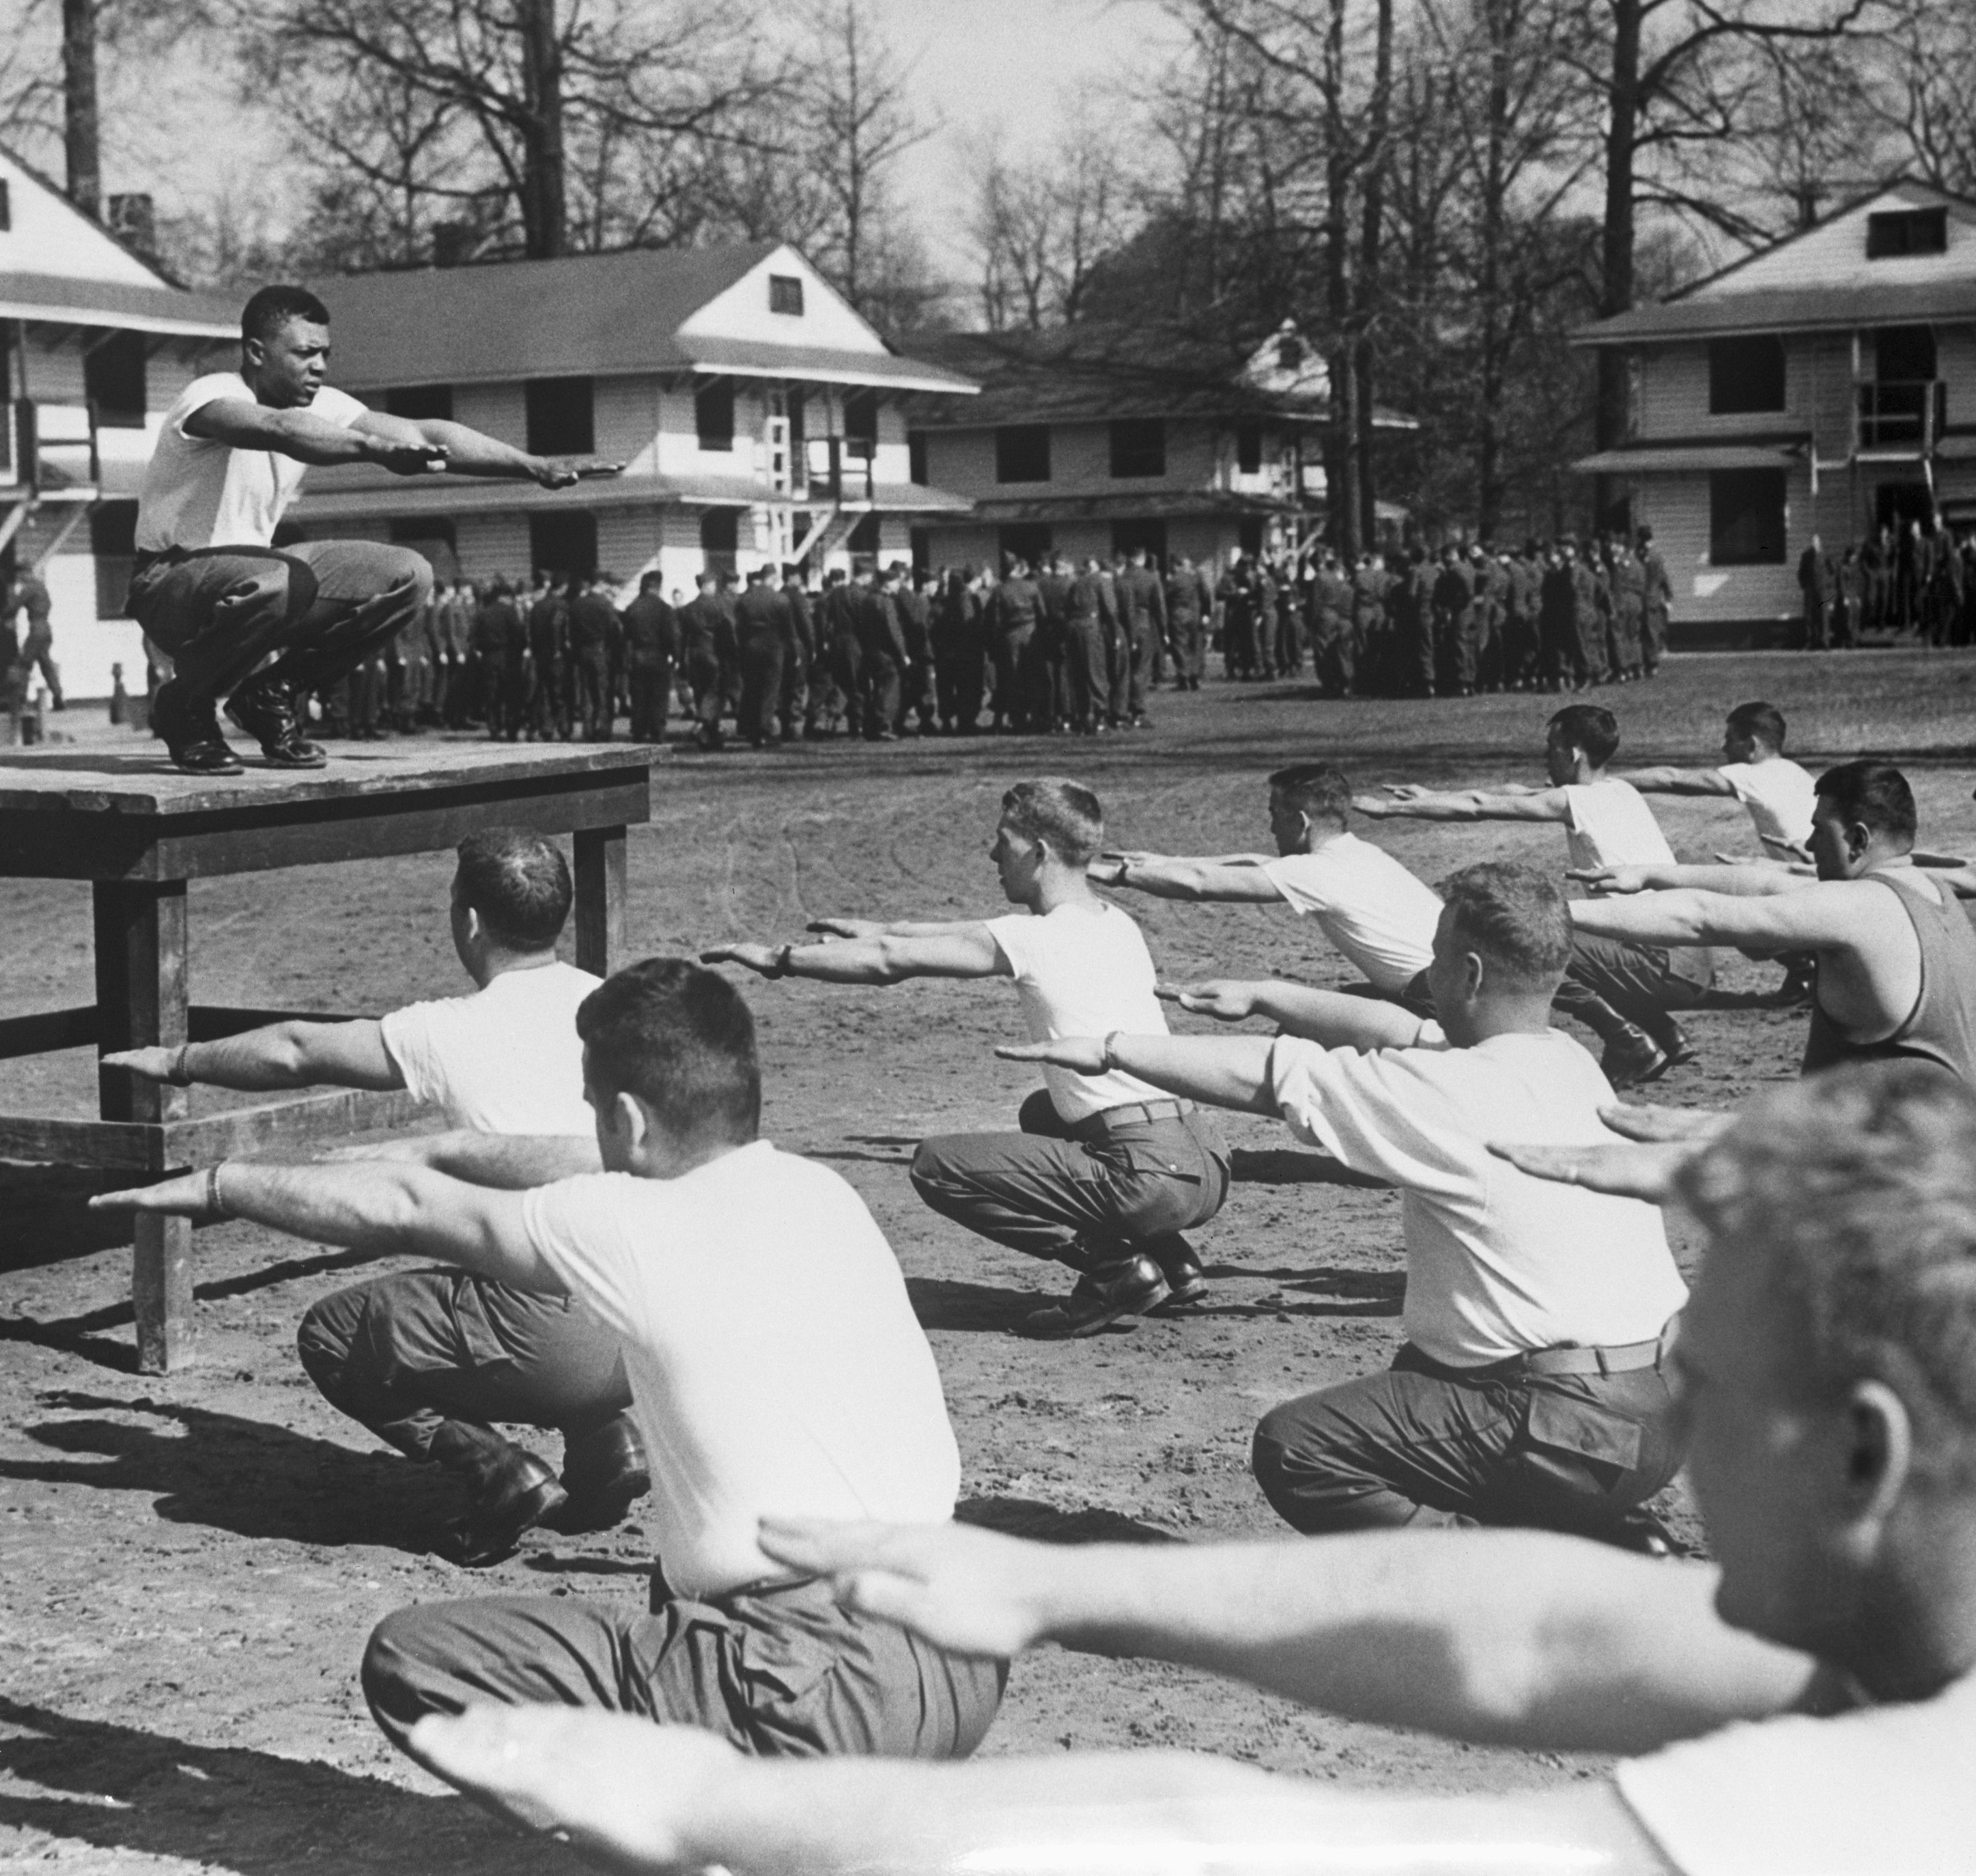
column 1316, row 789
column 1860, row 1184
column 1589, row 726
column 1765, row 722
column 1514, row 918
column 519, row 883
column 1873, row 794
column 681, row 1039
column 272, row 309
column 1064, row 814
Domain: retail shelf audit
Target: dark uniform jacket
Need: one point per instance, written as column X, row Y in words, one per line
column 762, row 613
column 1014, row 606
column 651, row 633
column 706, row 636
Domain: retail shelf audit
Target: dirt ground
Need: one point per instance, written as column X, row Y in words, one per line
column 191, row 1564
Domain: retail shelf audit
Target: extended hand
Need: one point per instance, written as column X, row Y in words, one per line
column 625, row 1789
column 1654, row 1125
column 846, row 928
column 152, row 1064
column 973, row 1591
column 766, row 959
column 1625, row 1171
column 553, row 475
column 410, row 458
column 188, row 1195
column 1223, row 998
column 1082, row 1055
column 1606, row 880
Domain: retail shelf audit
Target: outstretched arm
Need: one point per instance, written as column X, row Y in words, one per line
column 959, row 950
column 300, row 433
column 635, row 1797
column 1223, row 1071
column 280, row 1055
column 379, row 1205
column 1216, row 880
column 1795, row 919
column 1668, row 781
column 512, row 1163
column 467, row 452
column 1407, row 801
column 1739, row 879
column 1322, row 1016
column 1519, row 1638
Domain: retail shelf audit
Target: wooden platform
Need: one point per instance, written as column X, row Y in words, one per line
column 140, row 830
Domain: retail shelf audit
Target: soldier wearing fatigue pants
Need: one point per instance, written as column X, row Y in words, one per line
column 1142, row 608
column 1106, row 1172
column 429, row 1360
column 1189, row 604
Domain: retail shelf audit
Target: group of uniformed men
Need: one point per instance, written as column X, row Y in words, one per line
column 1920, row 578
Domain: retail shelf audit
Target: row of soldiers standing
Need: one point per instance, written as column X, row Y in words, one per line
column 1544, row 618
column 1918, row 578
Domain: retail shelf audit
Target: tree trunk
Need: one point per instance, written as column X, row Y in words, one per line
column 81, row 146
column 1615, row 293
column 1499, row 22
column 1365, row 352
column 544, row 194
column 1343, row 461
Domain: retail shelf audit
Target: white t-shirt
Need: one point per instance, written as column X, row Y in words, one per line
column 775, row 1363
column 198, row 493
column 1611, row 825
column 1080, row 972
column 506, row 1059
column 1377, row 913
column 1779, row 795
column 1498, row 1263
column 1886, row 1791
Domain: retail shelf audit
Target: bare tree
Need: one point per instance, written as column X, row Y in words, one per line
column 1922, row 92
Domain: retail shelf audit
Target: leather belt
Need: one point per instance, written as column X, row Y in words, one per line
column 1622, row 1360
column 1135, row 1113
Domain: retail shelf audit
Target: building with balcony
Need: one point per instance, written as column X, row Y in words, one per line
column 1098, row 439
column 95, row 343
column 1825, row 385
column 758, row 417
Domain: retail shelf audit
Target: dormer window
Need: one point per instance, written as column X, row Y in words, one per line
column 785, row 294
column 1892, row 232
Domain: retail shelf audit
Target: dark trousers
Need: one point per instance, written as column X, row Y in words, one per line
column 761, row 687
column 1643, row 984
column 959, row 673
column 1015, row 668
column 1189, row 650
column 1128, row 1187
column 793, row 706
column 881, row 686
column 704, row 678
column 651, row 696
column 405, row 1355
column 320, row 608
column 779, row 1672
column 847, row 671
column 1426, row 1446
column 1090, row 674
column 549, row 701
column 596, row 701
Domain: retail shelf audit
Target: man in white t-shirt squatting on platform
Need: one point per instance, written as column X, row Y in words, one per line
column 1529, row 1390
column 1625, row 993
column 430, row 1359
column 1805, row 1703
column 1107, row 1172
column 776, row 1368
column 209, row 585
column 1381, row 917
column 1779, row 793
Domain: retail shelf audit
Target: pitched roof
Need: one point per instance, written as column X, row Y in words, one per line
column 164, row 309
column 598, row 315
column 1820, row 278
column 1097, row 371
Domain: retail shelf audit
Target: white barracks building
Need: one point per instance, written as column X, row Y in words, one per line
column 1825, row 385
column 95, row 343
column 758, row 418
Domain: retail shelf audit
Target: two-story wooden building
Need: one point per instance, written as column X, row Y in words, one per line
column 1825, row 385
column 95, row 343
column 1097, row 439
column 758, row 416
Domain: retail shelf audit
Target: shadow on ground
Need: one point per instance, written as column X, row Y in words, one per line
column 1051, row 1523
column 254, row 1814
column 248, row 1477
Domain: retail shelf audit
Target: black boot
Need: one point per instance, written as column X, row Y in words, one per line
column 604, row 1473
column 509, row 1490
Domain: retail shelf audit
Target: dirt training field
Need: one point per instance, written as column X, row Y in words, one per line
column 191, row 1565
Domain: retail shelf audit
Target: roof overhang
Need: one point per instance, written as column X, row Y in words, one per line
column 404, row 500
column 1842, row 308
column 1688, row 459
column 58, row 300
column 814, row 365
column 1172, row 505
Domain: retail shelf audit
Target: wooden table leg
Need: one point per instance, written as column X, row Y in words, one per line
column 140, row 1001
column 600, row 899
